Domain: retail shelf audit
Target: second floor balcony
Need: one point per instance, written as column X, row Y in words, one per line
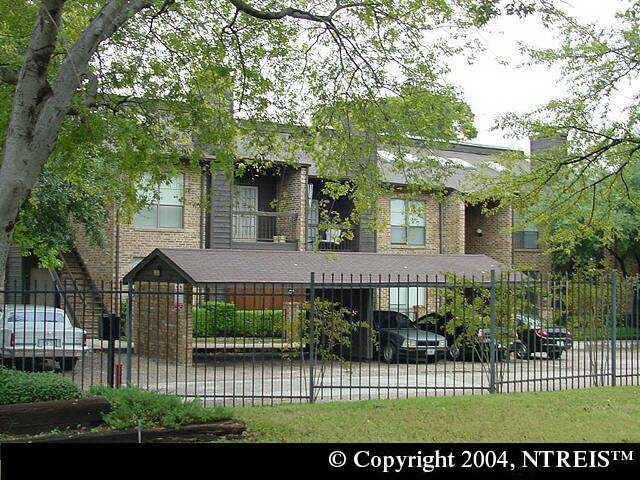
column 254, row 227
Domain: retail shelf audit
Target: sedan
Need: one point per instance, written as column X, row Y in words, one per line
column 400, row 338
column 31, row 334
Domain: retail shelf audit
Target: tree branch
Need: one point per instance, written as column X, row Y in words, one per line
column 294, row 12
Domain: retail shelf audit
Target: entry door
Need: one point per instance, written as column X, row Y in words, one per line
column 245, row 218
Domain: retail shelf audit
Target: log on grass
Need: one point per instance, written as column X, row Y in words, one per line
column 190, row 433
column 39, row 417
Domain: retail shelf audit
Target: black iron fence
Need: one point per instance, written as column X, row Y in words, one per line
column 335, row 337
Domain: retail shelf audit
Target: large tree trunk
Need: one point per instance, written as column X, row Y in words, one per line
column 39, row 108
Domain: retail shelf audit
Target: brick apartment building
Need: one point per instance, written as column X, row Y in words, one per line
column 280, row 210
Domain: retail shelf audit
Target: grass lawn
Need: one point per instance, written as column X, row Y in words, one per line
column 592, row 415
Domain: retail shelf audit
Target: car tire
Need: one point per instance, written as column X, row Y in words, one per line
column 390, row 353
column 554, row 354
column 521, row 351
column 455, row 353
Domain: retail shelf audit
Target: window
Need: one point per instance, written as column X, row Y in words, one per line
column 407, row 222
column 527, row 237
column 403, row 299
column 166, row 208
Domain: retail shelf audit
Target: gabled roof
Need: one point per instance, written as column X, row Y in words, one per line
column 196, row 267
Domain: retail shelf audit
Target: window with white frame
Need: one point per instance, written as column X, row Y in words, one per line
column 527, row 237
column 404, row 299
column 408, row 222
column 166, row 209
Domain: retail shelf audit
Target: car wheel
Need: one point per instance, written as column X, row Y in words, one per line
column 455, row 353
column 554, row 354
column 390, row 353
column 521, row 351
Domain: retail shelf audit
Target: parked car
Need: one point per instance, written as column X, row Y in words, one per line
column 536, row 337
column 461, row 345
column 31, row 334
column 399, row 338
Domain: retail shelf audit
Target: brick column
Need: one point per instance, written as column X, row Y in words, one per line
column 453, row 225
column 292, row 199
column 162, row 322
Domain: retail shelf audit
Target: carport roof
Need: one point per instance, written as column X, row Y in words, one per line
column 197, row 266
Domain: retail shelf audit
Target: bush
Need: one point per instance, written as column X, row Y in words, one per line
column 212, row 318
column 25, row 387
column 153, row 409
column 215, row 319
column 259, row 323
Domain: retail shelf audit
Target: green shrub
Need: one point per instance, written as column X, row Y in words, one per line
column 259, row 323
column 154, row 409
column 215, row 319
column 24, row 387
column 212, row 317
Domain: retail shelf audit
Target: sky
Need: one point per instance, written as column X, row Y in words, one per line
column 492, row 88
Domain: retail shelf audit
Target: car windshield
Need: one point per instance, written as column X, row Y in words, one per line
column 532, row 322
column 395, row 320
column 35, row 316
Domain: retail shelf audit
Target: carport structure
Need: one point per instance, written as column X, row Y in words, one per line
column 282, row 280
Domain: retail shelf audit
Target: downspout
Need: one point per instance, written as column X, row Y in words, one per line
column 202, row 219
column 117, row 252
column 440, row 227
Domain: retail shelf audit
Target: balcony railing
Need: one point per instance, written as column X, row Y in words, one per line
column 264, row 227
column 334, row 242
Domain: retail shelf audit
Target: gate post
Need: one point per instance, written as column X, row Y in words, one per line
column 312, row 340
column 129, row 331
column 614, row 326
column 492, row 333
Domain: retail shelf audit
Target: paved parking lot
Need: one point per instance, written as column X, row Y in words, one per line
column 261, row 380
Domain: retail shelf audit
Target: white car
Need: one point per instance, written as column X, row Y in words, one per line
column 31, row 334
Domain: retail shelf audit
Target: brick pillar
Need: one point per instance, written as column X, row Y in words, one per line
column 292, row 199
column 162, row 322
column 453, row 225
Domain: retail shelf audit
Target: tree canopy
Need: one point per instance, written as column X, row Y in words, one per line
column 95, row 93
column 583, row 189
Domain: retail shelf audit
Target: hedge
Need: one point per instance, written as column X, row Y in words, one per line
column 26, row 387
column 216, row 319
column 151, row 409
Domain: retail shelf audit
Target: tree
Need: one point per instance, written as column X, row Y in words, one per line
column 141, row 85
column 582, row 190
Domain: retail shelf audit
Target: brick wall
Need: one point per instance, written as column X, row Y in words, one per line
column 98, row 260
column 532, row 260
column 495, row 240
column 292, row 198
column 139, row 242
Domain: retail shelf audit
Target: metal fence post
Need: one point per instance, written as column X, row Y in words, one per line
column 492, row 333
column 129, row 331
column 614, row 326
column 312, row 342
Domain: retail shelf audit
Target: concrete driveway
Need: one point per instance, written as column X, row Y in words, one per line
column 251, row 379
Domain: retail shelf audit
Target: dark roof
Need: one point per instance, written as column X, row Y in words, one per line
column 197, row 266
